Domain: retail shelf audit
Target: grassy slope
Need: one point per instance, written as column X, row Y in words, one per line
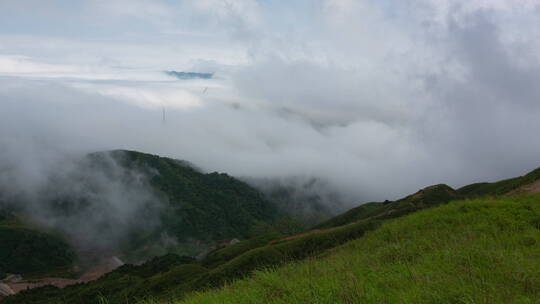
column 223, row 255
column 173, row 281
column 500, row 187
column 280, row 253
column 427, row 197
column 480, row 251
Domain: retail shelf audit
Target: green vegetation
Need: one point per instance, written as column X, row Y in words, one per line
column 154, row 266
column 279, row 253
column 27, row 251
column 196, row 208
column 463, row 252
column 193, row 208
column 480, row 251
column 208, row 207
column 127, row 282
column 223, row 255
column 427, row 197
column 172, row 277
column 501, row 187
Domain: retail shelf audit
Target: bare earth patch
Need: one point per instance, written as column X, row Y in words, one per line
column 530, row 188
column 105, row 266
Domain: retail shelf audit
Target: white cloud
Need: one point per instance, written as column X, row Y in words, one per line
column 240, row 12
column 153, row 11
column 379, row 97
column 148, row 97
column 24, row 65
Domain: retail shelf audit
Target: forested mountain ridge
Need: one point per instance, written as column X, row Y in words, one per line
column 211, row 206
column 175, row 208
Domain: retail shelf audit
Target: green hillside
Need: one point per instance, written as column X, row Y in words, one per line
column 479, row 251
column 200, row 206
column 172, row 277
column 195, row 211
column 427, row 197
column 420, row 241
column 501, row 187
column 29, row 251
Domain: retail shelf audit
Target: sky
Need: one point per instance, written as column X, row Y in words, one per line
column 378, row 98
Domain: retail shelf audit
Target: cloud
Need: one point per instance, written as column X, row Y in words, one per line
column 149, row 96
column 242, row 17
column 489, row 110
column 24, row 65
column 154, row 12
column 375, row 98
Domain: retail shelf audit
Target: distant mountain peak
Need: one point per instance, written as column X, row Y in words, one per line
column 189, row 75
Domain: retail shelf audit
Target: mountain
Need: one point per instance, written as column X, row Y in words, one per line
column 311, row 199
column 208, row 207
column 127, row 204
column 189, row 75
column 433, row 196
column 437, row 245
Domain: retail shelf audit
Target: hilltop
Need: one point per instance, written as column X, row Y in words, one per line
column 433, row 196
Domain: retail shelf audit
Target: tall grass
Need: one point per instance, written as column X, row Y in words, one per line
column 478, row 251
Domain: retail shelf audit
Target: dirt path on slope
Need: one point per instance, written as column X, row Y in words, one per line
column 92, row 274
column 58, row 282
column 317, row 231
column 530, row 188
column 296, row 236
